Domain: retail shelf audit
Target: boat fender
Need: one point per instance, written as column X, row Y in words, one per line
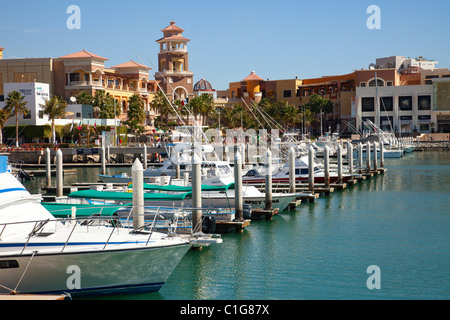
column 209, row 224
column 247, row 213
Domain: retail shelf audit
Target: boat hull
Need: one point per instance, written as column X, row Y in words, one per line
column 144, row 269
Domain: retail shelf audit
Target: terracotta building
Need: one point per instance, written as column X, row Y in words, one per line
column 173, row 73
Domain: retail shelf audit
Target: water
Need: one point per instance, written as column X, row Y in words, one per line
column 398, row 221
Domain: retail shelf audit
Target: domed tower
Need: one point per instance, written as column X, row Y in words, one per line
column 202, row 87
column 173, row 63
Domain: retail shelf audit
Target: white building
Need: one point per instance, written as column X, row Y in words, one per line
column 35, row 94
column 401, row 63
column 405, row 108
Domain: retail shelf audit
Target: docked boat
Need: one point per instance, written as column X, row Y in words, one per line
column 41, row 254
column 257, row 177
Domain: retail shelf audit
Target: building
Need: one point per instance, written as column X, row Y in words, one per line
column 83, row 71
column 414, row 100
column 35, row 94
column 401, row 63
column 173, row 73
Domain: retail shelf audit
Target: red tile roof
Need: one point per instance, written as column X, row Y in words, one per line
column 83, row 54
column 131, row 64
column 175, row 38
column 253, row 77
column 172, row 27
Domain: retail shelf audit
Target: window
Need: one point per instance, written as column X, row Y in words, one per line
column 86, row 77
column 362, row 84
column 287, row 93
column 380, row 83
column 446, row 76
column 2, row 98
column 74, row 77
column 41, row 114
column 389, row 83
column 424, row 102
column 28, row 115
column 386, row 104
column 405, row 103
column 367, row 104
column 78, row 114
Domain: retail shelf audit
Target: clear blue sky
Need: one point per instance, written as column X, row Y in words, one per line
column 278, row 39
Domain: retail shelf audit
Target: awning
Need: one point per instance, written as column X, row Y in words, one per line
column 128, row 196
column 63, row 210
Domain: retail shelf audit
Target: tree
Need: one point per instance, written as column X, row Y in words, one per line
column 4, row 116
column 85, row 98
column 54, row 108
column 136, row 113
column 15, row 105
column 105, row 105
column 317, row 104
column 162, row 106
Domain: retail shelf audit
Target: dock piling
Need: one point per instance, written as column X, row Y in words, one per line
column 311, row 168
column 291, row 170
column 268, row 176
column 339, row 159
column 327, row 166
column 59, row 173
column 48, row 168
column 238, row 198
column 196, row 193
column 138, row 194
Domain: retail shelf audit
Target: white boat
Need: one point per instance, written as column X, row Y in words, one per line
column 256, row 177
column 40, row 254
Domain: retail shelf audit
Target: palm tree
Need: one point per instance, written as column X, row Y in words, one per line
column 4, row 116
column 162, row 106
column 136, row 113
column 54, row 108
column 15, row 105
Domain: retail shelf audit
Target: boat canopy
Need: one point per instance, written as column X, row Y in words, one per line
column 173, row 188
column 64, row 210
column 112, row 195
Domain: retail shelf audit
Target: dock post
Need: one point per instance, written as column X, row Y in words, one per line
column 108, row 154
column 177, row 166
column 326, row 162
column 196, row 193
column 350, row 157
column 381, row 154
column 59, row 173
column 268, row 174
column 360, row 156
column 375, row 156
column 48, row 167
column 138, row 193
column 291, row 170
column 103, row 161
column 368, row 156
column 339, row 159
column 311, row 168
column 238, row 198
column 145, row 155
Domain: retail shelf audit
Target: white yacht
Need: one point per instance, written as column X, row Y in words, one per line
column 40, row 254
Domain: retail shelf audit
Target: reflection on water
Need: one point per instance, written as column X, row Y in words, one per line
column 398, row 221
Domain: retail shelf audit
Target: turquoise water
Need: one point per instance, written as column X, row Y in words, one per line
column 399, row 221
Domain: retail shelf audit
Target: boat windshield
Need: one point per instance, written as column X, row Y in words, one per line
column 223, row 169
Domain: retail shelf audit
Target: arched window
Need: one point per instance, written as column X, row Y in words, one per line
column 380, row 83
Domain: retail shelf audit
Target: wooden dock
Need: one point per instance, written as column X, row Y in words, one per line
column 231, row 226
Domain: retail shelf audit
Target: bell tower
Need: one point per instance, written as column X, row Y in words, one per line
column 173, row 63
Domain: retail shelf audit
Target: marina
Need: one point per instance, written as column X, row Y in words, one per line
column 309, row 197
column 183, row 168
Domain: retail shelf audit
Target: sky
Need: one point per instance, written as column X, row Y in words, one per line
column 280, row 39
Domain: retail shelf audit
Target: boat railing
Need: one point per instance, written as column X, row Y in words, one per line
column 117, row 223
